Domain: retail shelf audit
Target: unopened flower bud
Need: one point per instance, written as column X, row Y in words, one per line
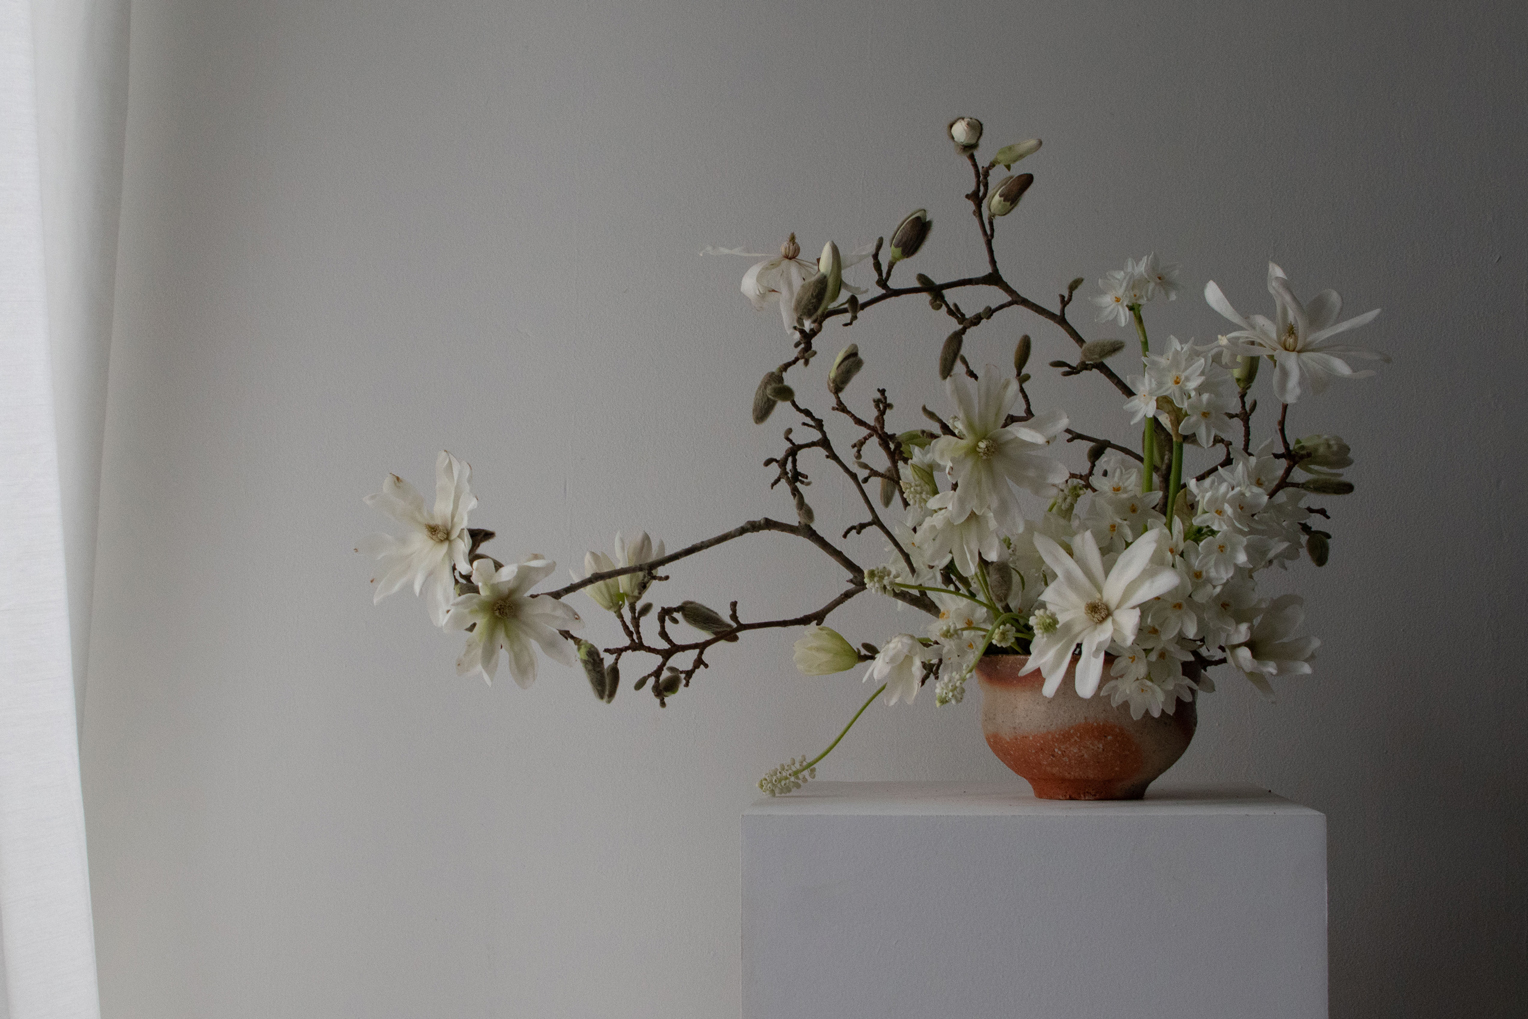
column 831, row 264
column 669, row 685
column 966, row 133
column 1097, row 451
column 1010, row 154
column 1323, row 453
column 1101, row 350
column 1246, row 371
column 811, row 299
column 999, row 581
column 703, row 618
column 910, row 235
column 950, row 352
column 1071, row 288
column 915, row 439
column 790, row 249
column 822, row 651
column 1321, row 485
column 845, row 366
column 594, row 668
column 763, row 403
column 1021, row 353
column 804, row 511
column 924, row 281
column 888, row 491
column 1008, row 193
column 1318, row 547
column 781, row 393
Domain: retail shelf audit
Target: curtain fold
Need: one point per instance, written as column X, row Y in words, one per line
column 62, row 99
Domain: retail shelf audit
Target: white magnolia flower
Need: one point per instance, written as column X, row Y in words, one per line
column 965, row 541
column 611, row 594
column 1093, row 608
column 503, row 614
column 1299, row 339
column 822, row 651
column 986, row 456
column 779, row 276
column 900, row 667
column 1272, row 649
column 434, row 542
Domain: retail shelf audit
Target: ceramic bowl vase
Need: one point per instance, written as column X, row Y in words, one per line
column 1069, row 748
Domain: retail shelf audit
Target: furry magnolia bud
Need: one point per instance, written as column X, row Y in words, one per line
column 781, row 393
column 1318, row 547
column 845, row 366
column 669, row 685
column 999, row 581
column 811, row 299
column 804, row 511
column 594, row 668
column 763, row 402
column 950, row 352
column 910, row 235
column 703, row 618
column 1006, row 197
column 1021, row 354
column 1327, row 486
column 1101, row 350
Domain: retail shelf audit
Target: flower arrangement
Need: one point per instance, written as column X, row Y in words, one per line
column 1142, row 561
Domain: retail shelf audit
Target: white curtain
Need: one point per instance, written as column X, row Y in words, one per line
column 62, row 107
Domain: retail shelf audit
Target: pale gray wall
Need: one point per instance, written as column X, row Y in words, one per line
column 354, row 233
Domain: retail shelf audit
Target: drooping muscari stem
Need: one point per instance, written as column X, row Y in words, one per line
column 1149, row 436
column 816, row 760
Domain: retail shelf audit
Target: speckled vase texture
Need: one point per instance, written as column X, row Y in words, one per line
column 1069, row 748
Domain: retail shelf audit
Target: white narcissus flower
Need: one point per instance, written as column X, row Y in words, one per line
column 1142, row 694
column 1272, row 649
column 986, row 456
column 1299, row 339
column 900, row 666
column 1161, row 277
column 1119, row 292
column 435, row 540
column 822, row 651
column 1093, row 608
column 503, row 614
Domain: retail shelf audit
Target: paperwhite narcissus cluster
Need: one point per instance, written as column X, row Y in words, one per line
column 1140, row 567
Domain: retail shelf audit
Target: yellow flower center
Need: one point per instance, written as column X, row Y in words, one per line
column 985, row 448
column 1097, row 611
column 504, row 608
column 437, row 533
column 1291, row 340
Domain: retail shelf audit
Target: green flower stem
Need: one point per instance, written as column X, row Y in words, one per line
column 944, row 590
column 1149, row 434
column 1174, row 480
column 814, row 761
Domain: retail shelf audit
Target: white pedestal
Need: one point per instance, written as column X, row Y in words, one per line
column 974, row 900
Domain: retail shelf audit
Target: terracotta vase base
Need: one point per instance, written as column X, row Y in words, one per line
column 1071, row 748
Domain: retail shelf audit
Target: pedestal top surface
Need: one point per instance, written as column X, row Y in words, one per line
column 1008, row 798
